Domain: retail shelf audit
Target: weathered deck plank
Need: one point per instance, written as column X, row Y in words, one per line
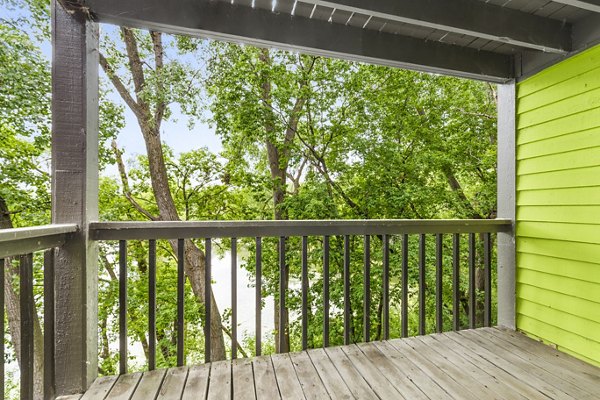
column 265, row 383
column 429, row 367
column 542, row 358
column 359, row 387
column 369, row 372
column 243, row 380
column 562, row 386
column 197, row 382
column 396, row 377
column 100, row 388
column 287, row 380
column 487, row 385
column 332, row 380
column 125, row 386
column 510, row 363
column 220, row 381
column 487, row 363
column 421, row 379
column 515, row 385
column 172, row 387
column 309, row 378
column 149, row 385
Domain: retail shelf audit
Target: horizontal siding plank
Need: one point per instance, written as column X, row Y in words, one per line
column 573, row 86
column 560, row 109
column 560, row 266
column 581, row 233
column 570, row 287
column 582, row 177
column 589, row 157
column 564, row 340
column 572, row 323
column 559, row 144
column 581, row 308
column 559, row 197
column 559, row 127
column 561, row 72
column 565, row 214
column 570, row 250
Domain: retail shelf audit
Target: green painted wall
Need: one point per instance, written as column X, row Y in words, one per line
column 558, row 205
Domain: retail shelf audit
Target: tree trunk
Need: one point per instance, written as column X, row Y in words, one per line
column 278, row 169
column 13, row 313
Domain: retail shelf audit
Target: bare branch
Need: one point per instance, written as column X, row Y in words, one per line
column 158, row 48
column 121, row 89
column 125, row 183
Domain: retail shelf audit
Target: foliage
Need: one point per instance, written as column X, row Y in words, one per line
column 366, row 142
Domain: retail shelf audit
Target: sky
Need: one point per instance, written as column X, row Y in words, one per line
column 175, row 132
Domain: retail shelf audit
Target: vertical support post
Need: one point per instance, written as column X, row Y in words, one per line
column 347, row 308
column 27, row 311
column 282, row 300
column 326, row 291
column 207, row 304
column 234, row 341
column 507, row 130
column 152, row 304
column 304, row 292
column 122, row 307
column 2, row 383
column 258, row 295
column 75, row 195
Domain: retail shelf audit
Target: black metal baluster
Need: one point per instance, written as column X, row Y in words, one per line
column 258, row 292
column 455, row 281
column 326, row 291
column 180, row 302
column 386, row 287
column 152, row 304
column 282, row 294
column 122, row 307
column 472, row 289
column 207, row 302
column 234, row 298
column 304, row 292
column 367, row 290
column 27, row 315
column 347, row 308
column 49, row 325
column 487, row 261
column 438, row 282
column 404, row 307
column 2, row 271
column 422, row 286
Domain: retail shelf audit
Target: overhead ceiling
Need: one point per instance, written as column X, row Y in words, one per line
column 494, row 40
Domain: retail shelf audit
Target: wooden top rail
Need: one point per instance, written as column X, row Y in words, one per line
column 19, row 241
column 230, row 229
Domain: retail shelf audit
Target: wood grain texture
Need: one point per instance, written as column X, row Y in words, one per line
column 487, row 363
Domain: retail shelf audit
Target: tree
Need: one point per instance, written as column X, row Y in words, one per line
column 157, row 83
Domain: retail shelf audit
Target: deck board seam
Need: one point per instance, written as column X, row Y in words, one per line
column 512, row 371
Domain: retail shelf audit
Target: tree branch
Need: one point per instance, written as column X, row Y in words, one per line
column 125, row 183
column 158, row 48
column 121, row 89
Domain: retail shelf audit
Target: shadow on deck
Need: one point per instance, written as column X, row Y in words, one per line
column 487, row 363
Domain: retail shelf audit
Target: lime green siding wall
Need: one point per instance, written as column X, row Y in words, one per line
column 558, row 205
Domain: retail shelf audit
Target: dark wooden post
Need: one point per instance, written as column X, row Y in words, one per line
column 75, row 195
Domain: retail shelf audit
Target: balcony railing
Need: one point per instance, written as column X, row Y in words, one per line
column 291, row 237
column 20, row 245
column 478, row 232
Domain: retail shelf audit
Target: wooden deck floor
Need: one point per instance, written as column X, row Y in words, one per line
column 474, row 364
